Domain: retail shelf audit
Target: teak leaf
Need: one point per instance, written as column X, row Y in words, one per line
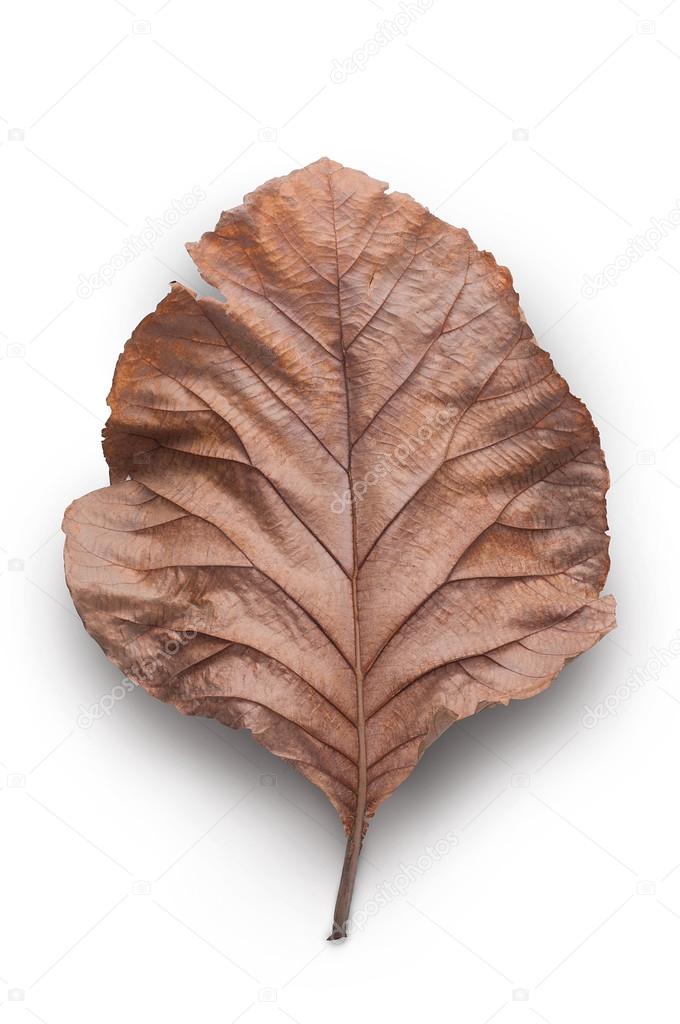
column 349, row 505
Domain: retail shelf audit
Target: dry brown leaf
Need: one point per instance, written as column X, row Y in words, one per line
column 349, row 505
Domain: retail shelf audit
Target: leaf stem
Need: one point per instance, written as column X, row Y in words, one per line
column 347, row 879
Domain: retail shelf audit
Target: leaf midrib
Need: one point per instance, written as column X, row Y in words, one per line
column 362, row 760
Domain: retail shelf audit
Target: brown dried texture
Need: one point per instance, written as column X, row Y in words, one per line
column 349, row 505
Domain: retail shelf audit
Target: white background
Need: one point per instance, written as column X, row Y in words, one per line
column 149, row 872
